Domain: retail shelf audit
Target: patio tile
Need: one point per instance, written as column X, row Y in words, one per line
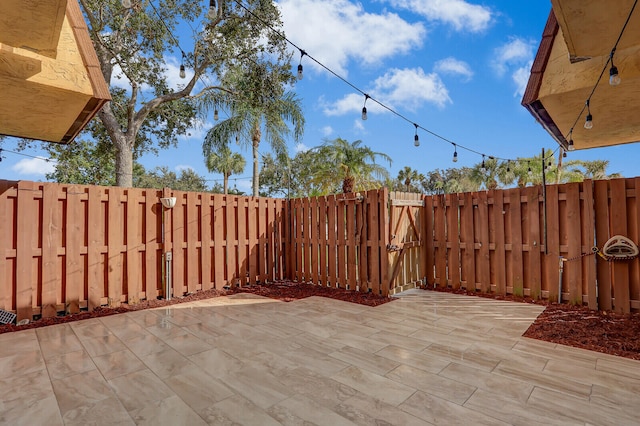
column 442, row 387
column 374, row 385
column 90, row 328
column 258, row 386
column 198, row 389
column 515, row 413
column 504, row 386
column 187, row 344
column 365, row 360
column 167, row 363
column 169, row 411
column 117, row 364
column 626, row 400
column 21, row 363
column 41, row 412
column 216, row 362
column 439, row 411
column 145, row 344
column 76, row 393
column 139, row 388
column 426, row 362
column 563, row 405
column 365, row 411
column 64, row 343
column 620, row 366
column 237, row 410
column 69, row 364
column 108, row 411
column 320, row 388
column 299, row 410
column 102, row 345
column 390, row 338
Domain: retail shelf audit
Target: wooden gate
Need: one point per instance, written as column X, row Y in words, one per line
column 406, row 243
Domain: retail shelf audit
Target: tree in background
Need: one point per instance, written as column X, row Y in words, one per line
column 162, row 177
column 227, row 163
column 407, row 178
column 353, row 164
column 452, row 180
column 260, row 108
column 131, row 44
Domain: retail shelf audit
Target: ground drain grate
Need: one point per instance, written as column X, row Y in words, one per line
column 6, row 317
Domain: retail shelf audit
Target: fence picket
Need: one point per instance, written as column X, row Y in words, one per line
column 620, row 270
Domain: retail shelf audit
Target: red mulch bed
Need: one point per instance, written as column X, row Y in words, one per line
column 606, row 332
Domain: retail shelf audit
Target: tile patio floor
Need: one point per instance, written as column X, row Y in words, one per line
column 427, row 358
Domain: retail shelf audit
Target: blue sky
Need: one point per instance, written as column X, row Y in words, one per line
column 455, row 67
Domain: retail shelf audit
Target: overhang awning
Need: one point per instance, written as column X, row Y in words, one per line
column 50, row 76
column 575, row 47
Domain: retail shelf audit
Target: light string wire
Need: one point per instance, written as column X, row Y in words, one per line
column 587, row 103
column 303, row 53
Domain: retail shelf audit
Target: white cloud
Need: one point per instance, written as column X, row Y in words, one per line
column 521, row 78
column 327, row 131
column 340, row 31
column 462, row 15
column 409, row 88
column 358, row 125
column 34, row 166
column 454, row 66
column 301, row 148
column 514, row 53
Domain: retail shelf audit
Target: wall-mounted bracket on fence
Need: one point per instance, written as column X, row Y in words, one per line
column 359, row 197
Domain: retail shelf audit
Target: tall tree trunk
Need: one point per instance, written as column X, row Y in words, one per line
column 256, row 170
column 225, row 183
column 347, row 184
column 559, row 170
column 124, row 162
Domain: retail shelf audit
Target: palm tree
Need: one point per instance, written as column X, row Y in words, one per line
column 353, row 163
column 407, row 176
column 226, row 162
column 486, row 173
column 259, row 108
column 595, row 169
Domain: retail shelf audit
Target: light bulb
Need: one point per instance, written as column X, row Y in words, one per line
column 126, row 4
column 183, row 74
column 614, row 77
column 529, row 172
column 416, row 140
column 213, row 11
column 300, row 72
column 509, row 167
column 364, row 113
column 571, row 147
column 215, row 114
column 455, row 156
column 564, row 154
column 588, row 124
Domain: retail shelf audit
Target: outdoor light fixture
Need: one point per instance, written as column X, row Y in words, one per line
column 455, row 154
column 483, row 166
column 300, row 75
column 588, row 123
column 168, row 202
column 364, row 107
column 570, row 147
column 416, row 139
column 529, row 172
column 215, row 114
column 183, row 74
column 508, row 166
column 126, row 4
column 564, row 154
column 213, row 12
column 614, row 77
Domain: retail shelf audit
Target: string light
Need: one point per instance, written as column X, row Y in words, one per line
column 529, row 171
column 364, row 107
column 509, row 166
column 300, row 75
column 588, row 123
column 213, row 11
column 416, row 139
column 484, row 167
column 614, row 77
column 183, row 74
column 126, row 4
column 614, row 80
column 455, row 153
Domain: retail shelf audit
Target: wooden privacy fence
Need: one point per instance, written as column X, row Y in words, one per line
column 339, row 241
column 512, row 242
column 67, row 247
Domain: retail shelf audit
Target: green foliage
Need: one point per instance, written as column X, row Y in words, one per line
column 352, row 164
column 226, row 162
column 149, row 114
column 162, row 177
column 408, row 180
column 260, row 108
